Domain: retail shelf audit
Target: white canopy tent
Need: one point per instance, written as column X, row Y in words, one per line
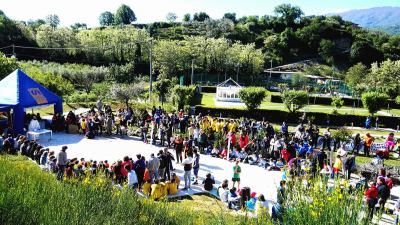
column 228, row 91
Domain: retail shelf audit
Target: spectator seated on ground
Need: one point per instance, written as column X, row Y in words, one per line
column 233, row 155
column 242, row 155
column 157, row 191
column 251, row 203
column 264, row 163
column 223, row 153
column 171, row 187
column 253, row 159
column 176, row 179
column 215, row 152
column 209, row 182
column 233, row 199
column 209, row 150
column 223, row 192
column 146, row 189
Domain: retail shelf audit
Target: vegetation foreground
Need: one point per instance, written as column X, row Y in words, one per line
column 31, row 196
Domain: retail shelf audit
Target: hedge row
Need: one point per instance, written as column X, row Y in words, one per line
column 277, row 116
column 327, row 101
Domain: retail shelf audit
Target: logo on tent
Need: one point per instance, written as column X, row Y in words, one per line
column 37, row 95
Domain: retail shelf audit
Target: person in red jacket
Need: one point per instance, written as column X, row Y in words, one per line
column 371, row 196
column 243, row 140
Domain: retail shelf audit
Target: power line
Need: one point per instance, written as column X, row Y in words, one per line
column 6, row 47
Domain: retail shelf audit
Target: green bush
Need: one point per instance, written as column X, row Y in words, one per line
column 294, row 100
column 182, row 96
column 343, row 134
column 252, row 96
column 374, row 101
column 397, row 100
column 337, row 102
column 81, row 97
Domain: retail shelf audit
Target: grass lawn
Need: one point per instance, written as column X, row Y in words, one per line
column 207, row 100
column 366, row 160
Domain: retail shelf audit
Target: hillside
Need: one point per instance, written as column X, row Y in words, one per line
column 384, row 18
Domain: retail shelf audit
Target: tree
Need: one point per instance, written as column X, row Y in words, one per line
column 374, row 101
column 299, row 80
column 230, row 16
column 171, row 17
column 200, row 17
column 364, row 52
column 162, row 87
column 384, row 78
column 79, row 26
column 124, row 15
column 106, row 19
column 326, row 50
column 53, row 20
column 337, row 102
column 294, row 100
column 7, row 65
column 356, row 76
column 125, row 92
column 252, row 96
column 186, row 17
column 182, row 96
column 288, row 14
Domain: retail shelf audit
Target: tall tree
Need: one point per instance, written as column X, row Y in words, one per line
column 230, row 16
column 171, row 17
column 124, row 15
column 200, row 17
column 53, row 20
column 288, row 14
column 186, row 17
column 106, row 19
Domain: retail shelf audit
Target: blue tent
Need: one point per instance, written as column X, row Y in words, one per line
column 18, row 91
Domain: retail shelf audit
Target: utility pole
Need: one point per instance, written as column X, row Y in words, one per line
column 151, row 69
column 270, row 70
column 237, row 73
column 13, row 50
column 191, row 77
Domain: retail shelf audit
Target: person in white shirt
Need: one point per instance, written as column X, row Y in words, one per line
column 34, row 124
column 132, row 178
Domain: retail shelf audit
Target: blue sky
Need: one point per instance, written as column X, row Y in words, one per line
column 88, row 11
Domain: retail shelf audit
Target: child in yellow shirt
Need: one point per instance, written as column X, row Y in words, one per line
column 146, row 188
column 171, row 187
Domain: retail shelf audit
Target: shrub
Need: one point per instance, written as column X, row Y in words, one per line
column 342, row 135
column 125, row 92
column 82, row 97
column 252, row 96
column 294, row 100
column 397, row 100
column 182, row 96
column 337, row 102
column 374, row 101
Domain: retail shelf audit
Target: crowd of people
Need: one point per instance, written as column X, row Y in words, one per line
column 300, row 153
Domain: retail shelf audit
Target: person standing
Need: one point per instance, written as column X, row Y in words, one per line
column 163, row 164
column 371, row 195
column 140, row 166
column 61, row 162
column 236, row 174
column 383, row 192
column 187, row 167
column 179, row 148
column 368, row 140
column 196, row 165
column 153, row 167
